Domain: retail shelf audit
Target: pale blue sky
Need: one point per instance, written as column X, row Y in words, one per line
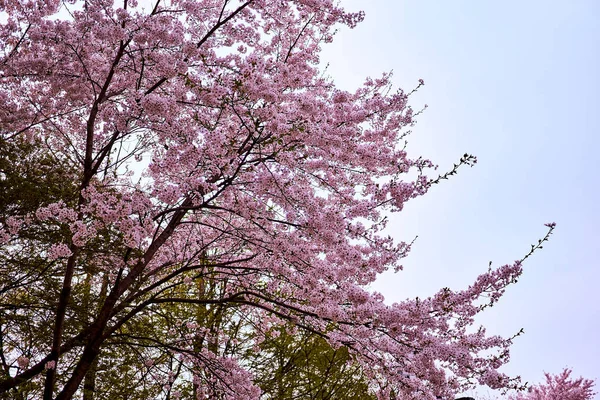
column 516, row 83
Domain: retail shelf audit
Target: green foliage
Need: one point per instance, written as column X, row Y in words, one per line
column 303, row 365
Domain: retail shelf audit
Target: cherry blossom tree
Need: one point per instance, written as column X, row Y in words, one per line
column 217, row 188
column 560, row 387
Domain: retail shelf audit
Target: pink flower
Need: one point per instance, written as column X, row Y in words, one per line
column 23, row 362
column 57, row 251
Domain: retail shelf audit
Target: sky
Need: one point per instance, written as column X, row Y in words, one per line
column 515, row 83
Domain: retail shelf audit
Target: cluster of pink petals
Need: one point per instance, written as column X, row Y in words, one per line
column 560, row 387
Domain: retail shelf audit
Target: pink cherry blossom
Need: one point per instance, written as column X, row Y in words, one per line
column 560, row 387
column 59, row 250
column 23, row 362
